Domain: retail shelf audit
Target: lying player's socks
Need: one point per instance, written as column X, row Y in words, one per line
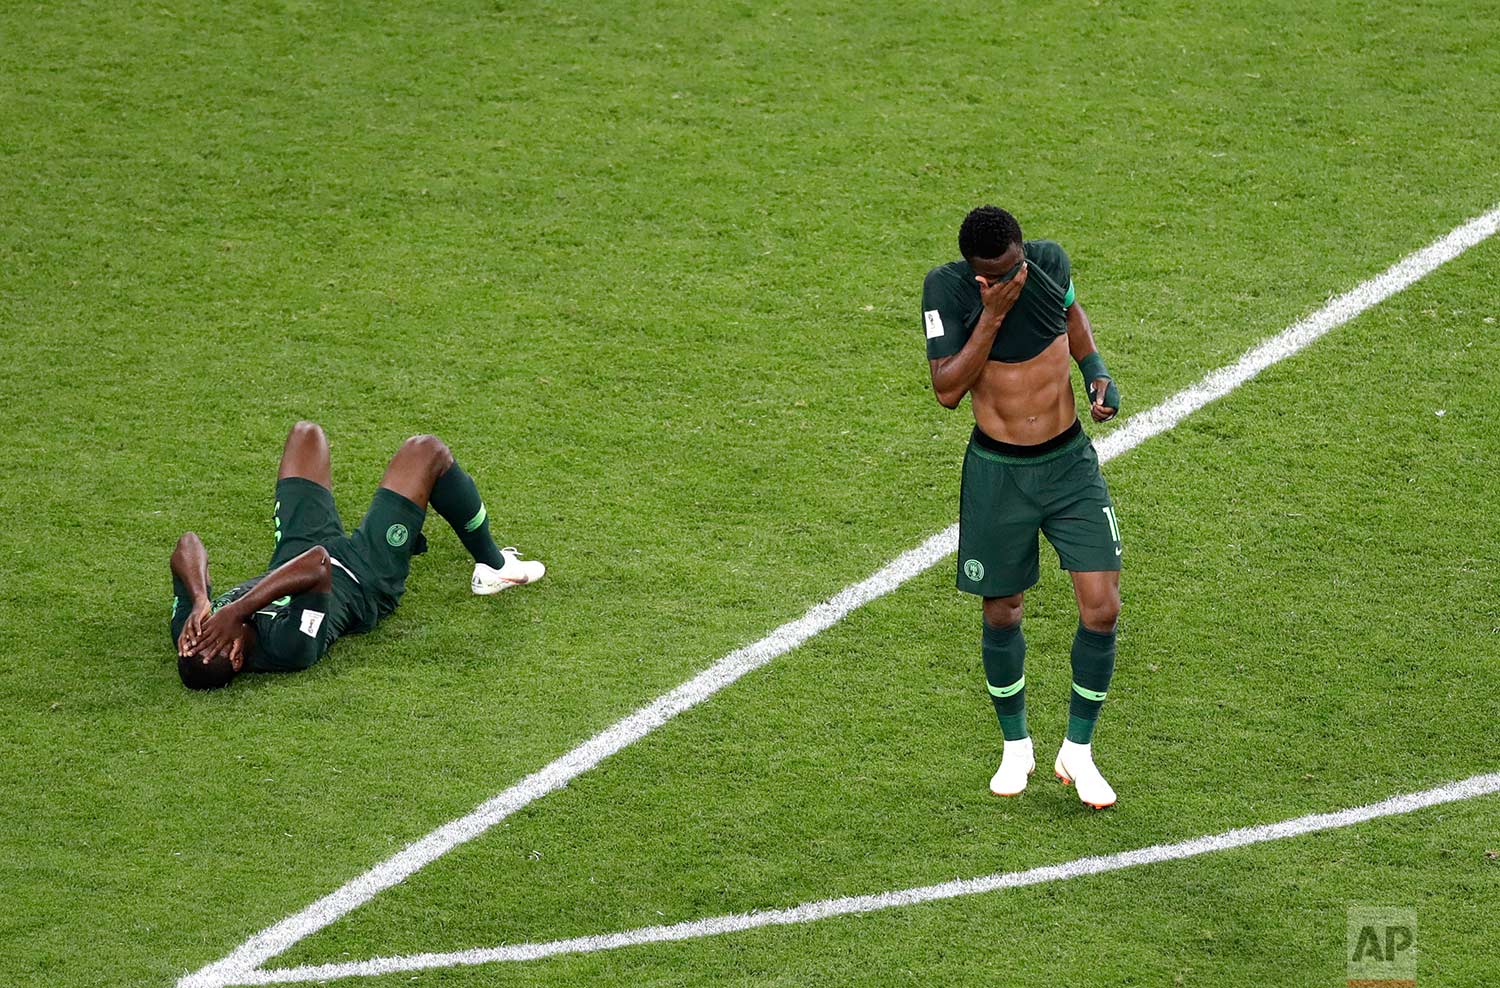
column 1004, row 652
column 457, row 500
column 1093, row 666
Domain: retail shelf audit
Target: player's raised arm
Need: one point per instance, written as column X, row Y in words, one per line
column 190, row 573
column 953, row 376
column 1098, row 384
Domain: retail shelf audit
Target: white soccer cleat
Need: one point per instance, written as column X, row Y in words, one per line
column 515, row 573
column 1075, row 767
column 1016, row 764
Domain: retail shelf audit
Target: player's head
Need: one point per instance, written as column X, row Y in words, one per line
column 988, row 233
column 200, row 672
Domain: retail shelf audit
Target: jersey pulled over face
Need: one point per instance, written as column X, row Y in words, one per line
column 291, row 633
column 952, row 305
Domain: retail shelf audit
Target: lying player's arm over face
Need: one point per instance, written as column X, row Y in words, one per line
column 1097, row 384
column 311, row 571
column 190, row 566
column 190, row 578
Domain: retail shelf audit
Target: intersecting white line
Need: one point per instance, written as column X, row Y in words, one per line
column 241, row 965
column 1478, row 785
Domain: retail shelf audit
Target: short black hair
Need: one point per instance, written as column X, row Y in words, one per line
column 199, row 673
column 988, row 232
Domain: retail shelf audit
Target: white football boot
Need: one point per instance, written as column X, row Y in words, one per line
column 1016, row 763
column 516, row 572
column 1075, row 767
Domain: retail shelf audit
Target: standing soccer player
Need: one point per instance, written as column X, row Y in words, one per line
column 1001, row 325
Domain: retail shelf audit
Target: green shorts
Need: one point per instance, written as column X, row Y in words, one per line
column 371, row 562
column 1006, row 499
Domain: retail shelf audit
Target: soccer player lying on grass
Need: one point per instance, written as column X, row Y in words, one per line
column 323, row 584
column 1000, row 326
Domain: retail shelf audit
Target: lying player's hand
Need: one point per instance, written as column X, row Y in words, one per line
column 1097, row 408
column 1001, row 295
column 187, row 642
column 219, row 632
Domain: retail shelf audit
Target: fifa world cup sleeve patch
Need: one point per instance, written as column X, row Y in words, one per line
column 311, row 622
column 933, row 320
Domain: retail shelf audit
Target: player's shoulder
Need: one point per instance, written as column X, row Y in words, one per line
column 1050, row 257
column 948, row 277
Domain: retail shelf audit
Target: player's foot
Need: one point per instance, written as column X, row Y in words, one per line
column 1075, row 766
column 516, row 572
column 1016, row 764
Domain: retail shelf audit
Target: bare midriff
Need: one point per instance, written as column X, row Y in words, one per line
column 1028, row 402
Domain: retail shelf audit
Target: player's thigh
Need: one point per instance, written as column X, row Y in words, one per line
column 997, row 529
column 416, row 467
column 1079, row 518
column 304, row 516
column 306, row 455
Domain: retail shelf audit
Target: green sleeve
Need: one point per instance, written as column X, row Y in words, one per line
column 1068, row 298
column 946, row 317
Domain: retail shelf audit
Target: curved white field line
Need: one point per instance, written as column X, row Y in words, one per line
column 240, row 965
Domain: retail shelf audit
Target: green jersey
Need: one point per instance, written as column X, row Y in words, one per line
column 952, row 305
column 290, row 633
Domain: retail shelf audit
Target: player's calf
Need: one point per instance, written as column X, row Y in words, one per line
column 1004, row 651
column 1093, row 668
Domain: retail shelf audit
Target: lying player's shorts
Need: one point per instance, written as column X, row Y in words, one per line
column 371, row 562
column 1055, row 487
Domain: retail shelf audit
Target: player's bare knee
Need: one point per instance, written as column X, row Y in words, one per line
column 306, row 431
column 431, row 449
column 1003, row 612
column 1100, row 615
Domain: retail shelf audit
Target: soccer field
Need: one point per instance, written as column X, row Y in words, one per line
column 653, row 271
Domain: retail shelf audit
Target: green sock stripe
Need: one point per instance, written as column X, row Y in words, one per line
column 477, row 520
column 1096, row 695
column 1005, row 691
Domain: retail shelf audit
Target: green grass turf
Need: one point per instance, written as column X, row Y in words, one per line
column 652, row 270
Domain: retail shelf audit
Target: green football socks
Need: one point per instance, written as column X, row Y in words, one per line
column 457, row 500
column 1093, row 666
column 1004, row 652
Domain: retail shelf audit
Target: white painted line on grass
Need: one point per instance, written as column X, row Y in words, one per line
column 1345, row 307
column 1478, row 785
column 242, row 962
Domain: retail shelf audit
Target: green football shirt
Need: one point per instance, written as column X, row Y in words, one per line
column 290, row 633
column 951, row 306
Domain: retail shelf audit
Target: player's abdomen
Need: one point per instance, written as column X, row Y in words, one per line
column 1029, row 402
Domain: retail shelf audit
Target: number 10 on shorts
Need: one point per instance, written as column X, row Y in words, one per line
column 1114, row 527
